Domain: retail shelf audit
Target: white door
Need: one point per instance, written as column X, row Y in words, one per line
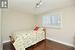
column 0, row 30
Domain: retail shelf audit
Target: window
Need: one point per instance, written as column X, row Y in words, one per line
column 51, row 21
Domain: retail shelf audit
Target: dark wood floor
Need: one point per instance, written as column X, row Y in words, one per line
column 43, row 45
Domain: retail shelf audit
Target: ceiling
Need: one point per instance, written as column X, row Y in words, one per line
column 28, row 6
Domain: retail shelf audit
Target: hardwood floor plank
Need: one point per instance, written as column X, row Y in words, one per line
column 43, row 45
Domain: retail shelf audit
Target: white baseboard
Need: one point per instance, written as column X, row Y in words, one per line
column 5, row 41
column 60, row 42
column 52, row 40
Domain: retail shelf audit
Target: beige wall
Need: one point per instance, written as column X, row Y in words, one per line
column 66, row 33
column 15, row 21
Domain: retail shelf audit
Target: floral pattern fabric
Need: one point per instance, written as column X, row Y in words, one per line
column 26, row 39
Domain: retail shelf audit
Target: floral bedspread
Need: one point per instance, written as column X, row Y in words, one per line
column 27, row 38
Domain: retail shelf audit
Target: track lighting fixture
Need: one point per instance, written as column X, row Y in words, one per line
column 38, row 4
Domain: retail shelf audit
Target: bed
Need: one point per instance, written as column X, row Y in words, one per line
column 25, row 39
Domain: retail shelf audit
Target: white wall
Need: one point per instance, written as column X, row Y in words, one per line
column 0, row 25
column 66, row 33
column 15, row 21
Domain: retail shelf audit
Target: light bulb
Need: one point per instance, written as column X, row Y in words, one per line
column 40, row 3
column 37, row 6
